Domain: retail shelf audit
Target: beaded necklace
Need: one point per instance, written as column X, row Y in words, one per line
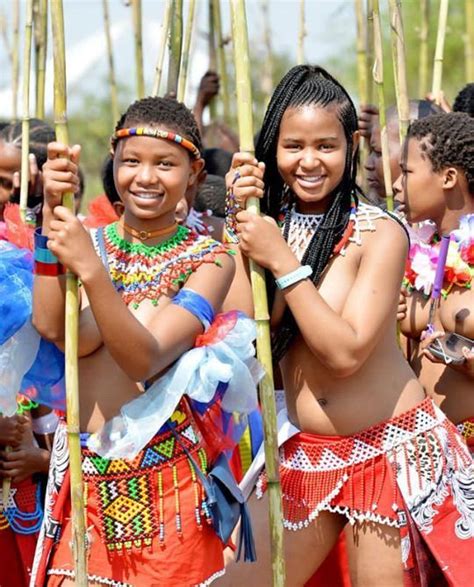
column 303, row 226
column 422, row 259
column 141, row 272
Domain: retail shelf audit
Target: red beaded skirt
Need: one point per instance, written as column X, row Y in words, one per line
column 412, row 472
column 144, row 517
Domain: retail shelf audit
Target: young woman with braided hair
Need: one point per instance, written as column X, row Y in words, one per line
column 363, row 446
column 438, row 185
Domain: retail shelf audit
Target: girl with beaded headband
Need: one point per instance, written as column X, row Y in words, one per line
column 438, row 185
column 149, row 401
column 357, row 422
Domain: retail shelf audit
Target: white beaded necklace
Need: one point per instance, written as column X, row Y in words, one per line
column 301, row 231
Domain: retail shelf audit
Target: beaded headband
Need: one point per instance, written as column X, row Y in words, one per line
column 123, row 133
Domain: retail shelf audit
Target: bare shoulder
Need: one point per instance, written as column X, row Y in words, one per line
column 378, row 230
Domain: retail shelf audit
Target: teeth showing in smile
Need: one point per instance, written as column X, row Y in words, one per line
column 310, row 178
column 147, row 195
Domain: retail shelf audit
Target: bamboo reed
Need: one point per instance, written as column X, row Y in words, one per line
column 399, row 67
column 110, row 59
column 212, row 54
column 221, row 61
column 72, row 320
column 175, row 45
column 6, row 486
column 362, row 78
column 469, row 40
column 267, row 74
column 378, row 74
column 439, row 52
column 137, row 33
column 301, row 34
column 25, row 125
column 183, row 71
column 424, row 35
column 267, row 395
column 164, row 34
column 41, row 32
column 370, row 50
column 15, row 58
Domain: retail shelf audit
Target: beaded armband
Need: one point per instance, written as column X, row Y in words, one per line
column 231, row 209
column 196, row 304
column 46, row 263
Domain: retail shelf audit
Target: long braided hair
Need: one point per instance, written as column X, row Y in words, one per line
column 307, row 85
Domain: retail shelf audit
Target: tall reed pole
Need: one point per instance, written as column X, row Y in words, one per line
column 164, row 34
column 423, row 63
column 25, row 125
column 110, row 59
column 301, row 33
column 370, row 50
column 362, row 77
column 379, row 81
column 212, row 53
column 15, row 57
column 72, row 319
column 267, row 77
column 137, row 33
column 175, row 45
column 183, row 70
column 399, row 67
column 469, row 40
column 221, row 60
column 439, row 51
column 41, row 45
column 262, row 318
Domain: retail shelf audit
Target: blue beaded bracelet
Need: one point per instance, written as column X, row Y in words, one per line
column 294, row 276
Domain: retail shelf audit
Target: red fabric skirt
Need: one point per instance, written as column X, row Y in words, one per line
column 412, row 472
column 146, row 520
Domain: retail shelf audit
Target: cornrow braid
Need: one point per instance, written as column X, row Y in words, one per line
column 307, row 85
column 40, row 135
column 447, row 140
column 170, row 113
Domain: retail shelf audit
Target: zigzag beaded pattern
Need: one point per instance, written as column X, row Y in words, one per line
column 142, row 272
column 127, row 490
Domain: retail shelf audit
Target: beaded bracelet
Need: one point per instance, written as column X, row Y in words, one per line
column 232, row 207
column 46, row 263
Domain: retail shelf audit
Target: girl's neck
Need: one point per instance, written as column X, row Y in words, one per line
column 451, row 218
column 152, row 225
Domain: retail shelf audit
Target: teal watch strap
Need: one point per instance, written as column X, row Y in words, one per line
column 294, row 276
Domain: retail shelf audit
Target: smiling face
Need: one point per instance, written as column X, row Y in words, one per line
column 10, row 161
column 311, row 155
column 151, row 176
column 419, row 187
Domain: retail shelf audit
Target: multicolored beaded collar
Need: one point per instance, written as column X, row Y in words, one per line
column 145, row 131
column 141, row 272
column 423, row 258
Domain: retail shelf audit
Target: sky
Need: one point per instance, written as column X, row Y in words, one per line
column 330, row 28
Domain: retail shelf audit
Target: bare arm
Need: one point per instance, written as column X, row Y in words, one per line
column 59, row 175
column 350, row 338
column 140, row 350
